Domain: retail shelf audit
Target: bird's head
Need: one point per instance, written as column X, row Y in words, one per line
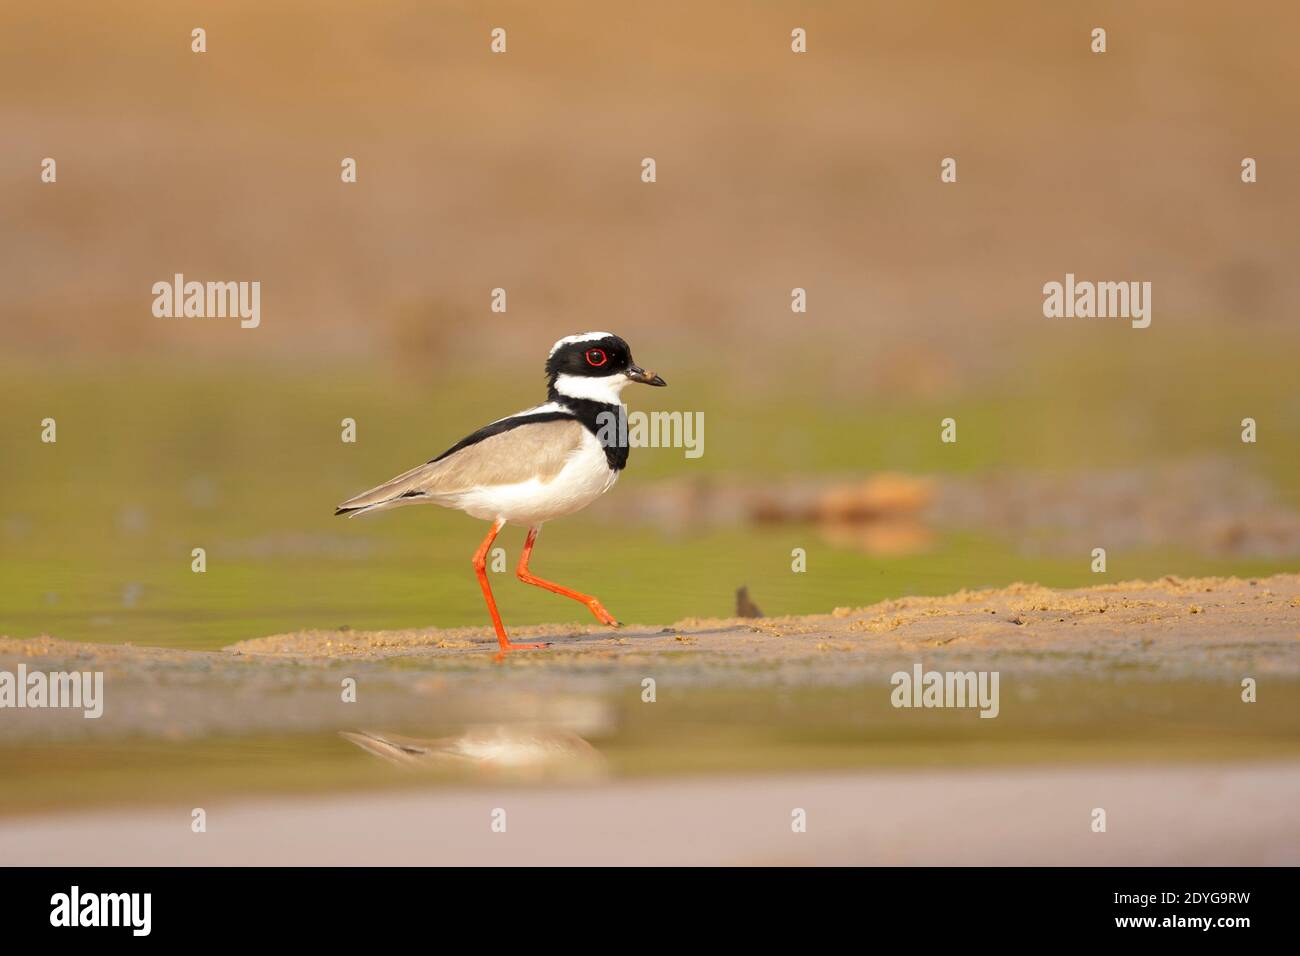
column 595, row 366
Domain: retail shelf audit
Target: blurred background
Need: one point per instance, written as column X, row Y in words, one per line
column 522, row 171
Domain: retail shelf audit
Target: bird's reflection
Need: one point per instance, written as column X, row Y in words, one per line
column 527, row 751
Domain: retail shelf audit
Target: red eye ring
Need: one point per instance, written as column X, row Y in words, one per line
column 596, row 357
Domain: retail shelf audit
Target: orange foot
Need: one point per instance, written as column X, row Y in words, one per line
column 602, row 615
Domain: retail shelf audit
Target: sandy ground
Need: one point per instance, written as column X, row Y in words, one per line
column 1172, row 629
column 1175, row 625
column 1166, row 816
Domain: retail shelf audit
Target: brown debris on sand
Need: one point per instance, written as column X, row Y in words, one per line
column 745, row 606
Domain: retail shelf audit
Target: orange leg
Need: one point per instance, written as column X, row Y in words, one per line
column 527, row 577
column 480, row 568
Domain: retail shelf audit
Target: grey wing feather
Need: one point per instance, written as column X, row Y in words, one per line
column 535, row 450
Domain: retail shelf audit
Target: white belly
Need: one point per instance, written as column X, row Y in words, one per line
column 585, row 477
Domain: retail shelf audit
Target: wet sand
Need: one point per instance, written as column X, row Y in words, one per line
column 1172, row 630
column 1172, row 626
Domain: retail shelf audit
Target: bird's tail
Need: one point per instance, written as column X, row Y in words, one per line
column 353, row 510
column 405, row 750
column 405, row 489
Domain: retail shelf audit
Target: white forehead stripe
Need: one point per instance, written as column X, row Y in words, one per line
column 582, row 337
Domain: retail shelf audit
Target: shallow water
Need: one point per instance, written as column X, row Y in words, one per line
column 704, row 731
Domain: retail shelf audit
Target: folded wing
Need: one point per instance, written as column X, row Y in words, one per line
column 503, row 453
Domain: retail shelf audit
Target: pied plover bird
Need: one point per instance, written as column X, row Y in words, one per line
column 535, row 465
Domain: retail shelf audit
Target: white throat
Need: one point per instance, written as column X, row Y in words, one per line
column 603, row 389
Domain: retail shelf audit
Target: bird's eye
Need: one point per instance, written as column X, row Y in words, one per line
column 596, row 357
